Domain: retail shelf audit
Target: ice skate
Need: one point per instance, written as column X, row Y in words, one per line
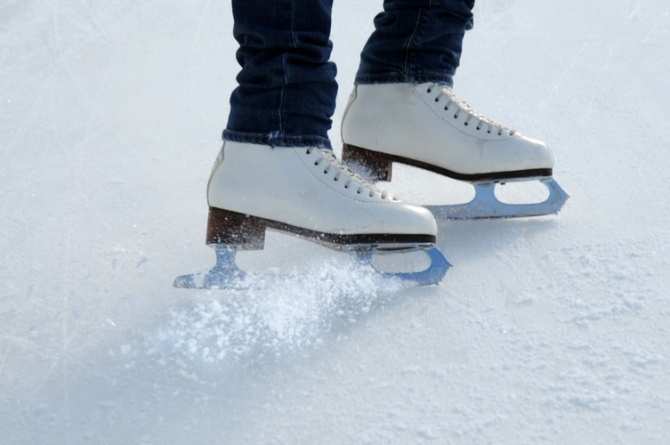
column 308, row 193
column 427, row 126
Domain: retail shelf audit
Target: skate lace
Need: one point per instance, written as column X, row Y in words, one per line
column 459, row 106
column 345, row 174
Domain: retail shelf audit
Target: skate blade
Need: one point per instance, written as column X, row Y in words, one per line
column 224, row 275
column 227, row 275
column 433, row 274
column 485, row 204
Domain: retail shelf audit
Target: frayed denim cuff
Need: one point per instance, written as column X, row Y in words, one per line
column 277, row 139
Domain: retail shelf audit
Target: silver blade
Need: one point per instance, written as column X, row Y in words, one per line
column 485, row 204
column 227, row 275
column 224, row 275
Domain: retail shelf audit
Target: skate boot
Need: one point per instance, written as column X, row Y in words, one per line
column 425, row 125
column 306, row 192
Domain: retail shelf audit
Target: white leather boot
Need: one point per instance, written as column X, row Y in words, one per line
column 427, row 126
column 309, row 193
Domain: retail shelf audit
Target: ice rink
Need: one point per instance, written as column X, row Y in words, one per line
column 553, row 330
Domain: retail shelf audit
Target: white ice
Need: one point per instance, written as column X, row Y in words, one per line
column 551, row 330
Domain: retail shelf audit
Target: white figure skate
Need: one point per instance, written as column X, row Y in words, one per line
column 427, row 126
column 308, row 193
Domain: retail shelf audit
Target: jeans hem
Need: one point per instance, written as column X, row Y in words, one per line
column 275, row 139
column 443, row 79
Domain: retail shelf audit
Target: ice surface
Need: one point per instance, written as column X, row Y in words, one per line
column 549, row 330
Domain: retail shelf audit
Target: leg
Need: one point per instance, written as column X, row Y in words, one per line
column 403, row 110
column 276, row 169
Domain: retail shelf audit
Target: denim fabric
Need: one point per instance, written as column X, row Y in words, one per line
column 416, row 41
column 286, row 88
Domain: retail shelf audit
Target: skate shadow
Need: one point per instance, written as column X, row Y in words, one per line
column 199, row 371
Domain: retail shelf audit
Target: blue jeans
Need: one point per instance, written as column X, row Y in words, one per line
column 286, row 89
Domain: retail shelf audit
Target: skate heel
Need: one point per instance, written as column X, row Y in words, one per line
column 234, row 231
column 379, row 165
